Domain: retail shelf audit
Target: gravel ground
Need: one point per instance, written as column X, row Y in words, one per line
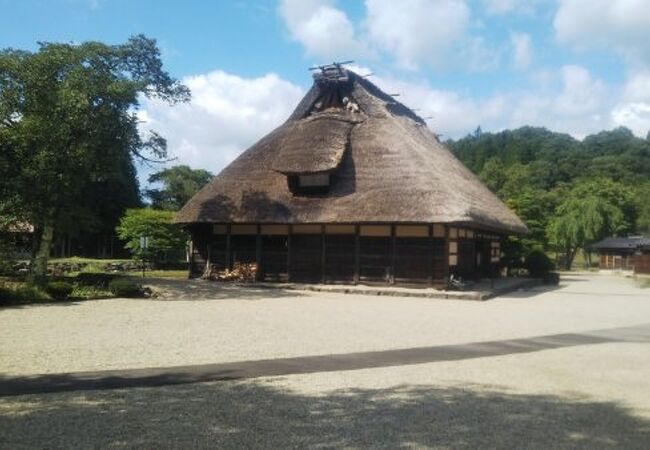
column 200, row 323
column 589, row 396
column 592, row 397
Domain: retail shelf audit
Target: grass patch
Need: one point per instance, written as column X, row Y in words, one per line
column 167, row 274
column 80, row 292
column 21, row 294
column 85, row 286
column 80, row 260
column 645, row 284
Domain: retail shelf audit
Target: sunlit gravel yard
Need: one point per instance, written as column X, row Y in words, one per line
column 582, row 396
column 199, row 322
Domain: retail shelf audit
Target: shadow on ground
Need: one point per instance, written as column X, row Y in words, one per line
column 255, row 414
column 530, row 292
column 184, row 290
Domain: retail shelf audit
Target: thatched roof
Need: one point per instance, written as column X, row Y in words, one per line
column 386, row 166
column 325, row 134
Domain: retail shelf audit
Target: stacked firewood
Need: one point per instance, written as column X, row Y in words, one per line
column 239, row 272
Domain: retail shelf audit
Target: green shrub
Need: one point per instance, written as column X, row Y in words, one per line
column 97, row 280
column 22, row 294
column 91, row 268
column 6, row 266
column 59, row 290
column 552, row 278
column 538, row 264
column 122, row 287
column 90, row 292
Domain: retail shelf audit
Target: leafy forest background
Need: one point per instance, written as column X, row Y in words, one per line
column 570, row 193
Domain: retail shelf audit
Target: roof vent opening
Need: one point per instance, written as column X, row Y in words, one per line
column 314, row 180
column 309, row 184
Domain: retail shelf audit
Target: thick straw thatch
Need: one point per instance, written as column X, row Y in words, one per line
column 325, row 134
column 387, row 166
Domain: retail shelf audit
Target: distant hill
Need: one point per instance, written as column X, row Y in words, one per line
column 535, row 170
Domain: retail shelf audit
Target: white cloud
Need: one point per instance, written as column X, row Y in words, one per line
column 451, row 114
column 633, row 109
column 635, row 116
column 324, row 31
column 581, row 93
column 637, row 87
column 511, row 6
column 522, row 50
column 227, row 114
column 618, row 25
column 570, row 101
column 414, row 33
column 417, row 31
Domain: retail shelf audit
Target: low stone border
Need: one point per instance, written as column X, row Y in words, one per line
column 513, row 284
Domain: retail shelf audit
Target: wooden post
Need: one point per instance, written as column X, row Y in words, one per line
column 190, row 260
column 357, row 249
column 289, row 229
column 322, row 253
column 228, row 249
column 393, row 253
column 430, row 256
column 445, row 263
column 258, row 254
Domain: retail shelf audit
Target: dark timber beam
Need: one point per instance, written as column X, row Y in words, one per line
column 322, row 253
column 430, row 256
column 445, row 260
column 393, row 253
column 258, row 254
column 357, row 249
column 228, row 248
column 191, row 258
column 289, row 229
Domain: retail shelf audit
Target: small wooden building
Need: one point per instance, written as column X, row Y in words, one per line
column 353, row 187
column 624, row 253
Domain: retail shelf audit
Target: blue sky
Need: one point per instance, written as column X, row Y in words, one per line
column 576, row 66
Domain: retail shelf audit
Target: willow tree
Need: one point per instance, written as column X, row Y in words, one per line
column 68, row 116
column 591, row 211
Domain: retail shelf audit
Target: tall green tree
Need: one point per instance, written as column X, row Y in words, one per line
column 166, row 239
column 179, row 184
column 593, row 210
column 534, row 171
column 642, row 196
column 67, row 113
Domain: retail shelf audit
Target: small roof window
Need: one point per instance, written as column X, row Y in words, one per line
column 314, row 180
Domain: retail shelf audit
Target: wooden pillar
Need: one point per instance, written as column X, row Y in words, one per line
column 446, row 258
column 322, row 253
column 289, row 229
column 228, row 248
column 208, row 262
column 258, row 254
column 393, row 253
column 430, row 256
column 357, row 250
column 190, row 260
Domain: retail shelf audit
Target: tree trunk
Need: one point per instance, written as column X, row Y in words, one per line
column 42, row 254
column 570, row 254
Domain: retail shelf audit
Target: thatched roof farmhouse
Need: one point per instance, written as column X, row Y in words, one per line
column 352, row 187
